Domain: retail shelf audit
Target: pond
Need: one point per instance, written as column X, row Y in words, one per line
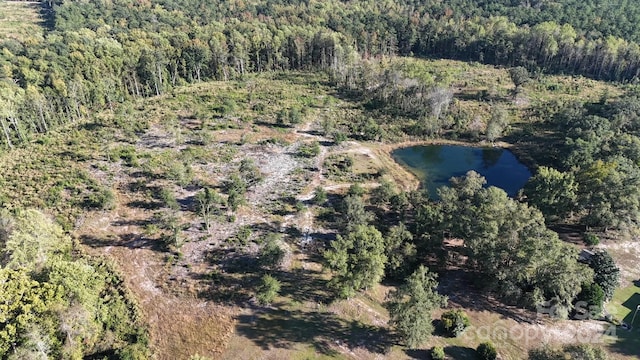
column 434, row 165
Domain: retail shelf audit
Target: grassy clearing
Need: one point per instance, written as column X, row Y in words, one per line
column 624, row 303
column 622, row 307
column 20, row 20
column 157, row 154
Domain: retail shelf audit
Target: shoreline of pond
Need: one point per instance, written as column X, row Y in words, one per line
column 400, row 166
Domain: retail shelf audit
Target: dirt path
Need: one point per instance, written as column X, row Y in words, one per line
column 179, row 325
column 181, row 322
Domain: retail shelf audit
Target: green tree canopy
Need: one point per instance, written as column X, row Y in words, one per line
column 357, row 260
column 553, row 192
column 411, row 304
column 510, row 245
column 607, row 273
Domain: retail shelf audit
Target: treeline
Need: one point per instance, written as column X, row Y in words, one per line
column 502, row 242
column 593, row 172
column 99, row 54
column 594, row 18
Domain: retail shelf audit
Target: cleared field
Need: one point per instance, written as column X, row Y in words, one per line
column 197, row 292
column 20, row 19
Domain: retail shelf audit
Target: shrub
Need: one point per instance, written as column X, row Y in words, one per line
column 487, row 351
column 249, row 172
column 169, row 199
column 268, row 289
column 455, row 322
column 309, row 150
column 125, row 153
column 320, row 195
column 243, row 234
column 338, row 165
column 437, row 353
column 591, row 239
column 339, row 137
column 582, row 351
column 271, row 255
column 356, row 190
column 103, row 199
column 589, row 301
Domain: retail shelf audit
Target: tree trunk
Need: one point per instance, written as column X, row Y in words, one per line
column 6, row 133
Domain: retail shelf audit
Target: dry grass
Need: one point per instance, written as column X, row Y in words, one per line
column 20, row 20
column 174, row 293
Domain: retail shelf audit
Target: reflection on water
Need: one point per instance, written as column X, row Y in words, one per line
column 436, row 164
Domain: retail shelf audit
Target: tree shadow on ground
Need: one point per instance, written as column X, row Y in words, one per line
column 627, row 342
column 145, row 204
column 418, row 353
column 233, row 279
column 459, row 286
column 438, row 328
column 632, row 304
column 303, row 285
column 461, row 352
column 236, row 275
column 130, row 240
column 275, row 328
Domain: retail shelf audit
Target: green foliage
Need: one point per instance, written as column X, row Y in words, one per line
column 353, row 213
column 243, row 234
column 497, row 123
column 554, row 193
column 59, row 304
column 368, row 129
column 509, row 244
column 236, row 189
column 271, row 255
column 249, row 172
column 309, row 150
column 169, row 199
column 356, row 190
column 357, row 260
column 23, row 302
column 338, row 165
column 235, row 199
column 208, row 203
column 589, row 301
column 411, row 304
column 400, row 250
column 455, row 322
column 606, row 272
column 268, row 289
column 103, row 199
column 383, row 194
column 32, row 240
column 519, row 76
column 591, row 239
column 608, row 193
column 319, row 195
column 171, row 223
column 487, row 351
column 437, row 353
column 292, row 116
column 125, row 153
column 339, row 137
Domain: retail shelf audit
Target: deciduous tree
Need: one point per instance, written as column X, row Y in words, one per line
column 411, row 304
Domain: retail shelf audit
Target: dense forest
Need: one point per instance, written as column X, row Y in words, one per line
column 100, row 53
column 120, row 58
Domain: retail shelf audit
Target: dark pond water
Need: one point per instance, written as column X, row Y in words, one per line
column 436, row 164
